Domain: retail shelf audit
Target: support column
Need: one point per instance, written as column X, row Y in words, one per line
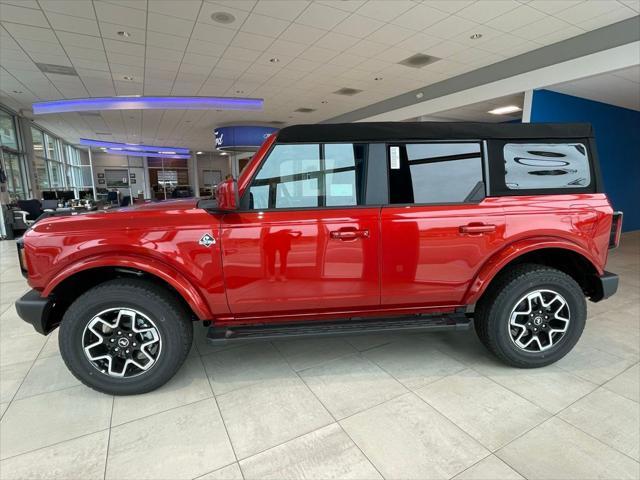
column 526, row 107
column 93, row 180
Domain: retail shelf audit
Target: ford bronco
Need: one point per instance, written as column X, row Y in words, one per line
column 338, row 229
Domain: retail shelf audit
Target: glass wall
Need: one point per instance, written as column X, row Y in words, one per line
column 12, row 158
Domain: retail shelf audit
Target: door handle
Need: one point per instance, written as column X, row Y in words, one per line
column 349, row 234
column 477, row 228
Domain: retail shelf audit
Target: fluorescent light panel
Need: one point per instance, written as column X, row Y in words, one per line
column 132, row 147
column 148, row 103
column 145, row 154
column 505, row 110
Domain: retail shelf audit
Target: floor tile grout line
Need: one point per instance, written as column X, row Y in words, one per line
column 224, row 423
column 221, row 468
column 54, row 444
column 470, row 466
column 106, row 455
column 335, row 420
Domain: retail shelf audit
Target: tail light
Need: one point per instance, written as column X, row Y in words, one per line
column 616, row 230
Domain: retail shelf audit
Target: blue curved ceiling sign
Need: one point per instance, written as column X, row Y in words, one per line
column 241, row 137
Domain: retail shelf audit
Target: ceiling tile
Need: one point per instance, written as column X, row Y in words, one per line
column 81, row 64
column 283, row 9
column 164, row 54
column 358, row 26
column 318, row 54
column 68, row 23
column 613, row 16
column 33, row 46
column 211, row 33
column 110, row 30
column 384, row 10
column 585, row 11
column 420, row 42
column 487, row 9
column 367, row 48
column 186, row 9
column 69, row 7
column 209, row 9
column 251, row 41
column 123, row 59
column 553, row 6
column 450, row 27
column 111, row 13
column 420, row 17
column 285, row 47
column 69, row 39
column 302, row 34
column 164, row 23
column 163, row 40
column 336, row 41
column 246, row 5
column 448, row 6
column 30, row 33
column 346, row 5
column 123, row 47
column 261, row 25
column 390, row 34
column 25, row 16
column 516, row 18
column 243, row 54
column 321, row 16
column 85, row 53
column 541, row 28
column 205, row 48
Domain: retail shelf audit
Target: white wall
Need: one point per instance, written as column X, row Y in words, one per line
column 103, row 161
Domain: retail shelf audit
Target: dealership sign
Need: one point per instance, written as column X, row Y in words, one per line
column 241, row 137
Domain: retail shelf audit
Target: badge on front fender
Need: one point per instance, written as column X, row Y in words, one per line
column 207, row 240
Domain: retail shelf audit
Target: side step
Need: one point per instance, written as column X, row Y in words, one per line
column 420, row 323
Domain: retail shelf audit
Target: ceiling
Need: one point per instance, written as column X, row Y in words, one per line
column 620, row 87
column 479, row 112
column 176, row 48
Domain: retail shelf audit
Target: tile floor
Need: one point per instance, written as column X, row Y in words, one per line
column 431, row 406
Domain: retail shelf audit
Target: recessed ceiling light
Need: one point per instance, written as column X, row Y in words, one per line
column 224, row 153
column 124, row 34
column 274, row 60
column 222, row 17
column 17, row 91
column 239, row 91
column 475, row 36
column 377, row 79
column 505, row 110
column 127, row 77
column 199, row 153
column 419, row 95
column 324, row 101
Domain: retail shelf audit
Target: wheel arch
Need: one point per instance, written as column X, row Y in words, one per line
column 70, row 283
column 565, row 256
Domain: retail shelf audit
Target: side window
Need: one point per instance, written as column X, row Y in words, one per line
column 436, row 173
column 309, row 175
column 533, row 166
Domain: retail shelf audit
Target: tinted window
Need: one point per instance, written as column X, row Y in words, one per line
column 436, row 173
column 532, row 166
column 310, row 175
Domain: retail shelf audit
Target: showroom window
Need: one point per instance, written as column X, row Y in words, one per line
column 12, row 158
column 309, row 175
column 432, row 173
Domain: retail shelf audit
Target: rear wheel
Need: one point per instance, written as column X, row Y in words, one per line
column 532, row 316
column 125, row 337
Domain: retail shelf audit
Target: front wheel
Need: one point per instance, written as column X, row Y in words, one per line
column 125, row 336
column 532, row 316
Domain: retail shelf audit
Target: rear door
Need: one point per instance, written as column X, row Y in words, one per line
column 307, row 242
column 438, row 228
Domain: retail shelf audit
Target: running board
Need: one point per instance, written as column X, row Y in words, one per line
column 417, row 323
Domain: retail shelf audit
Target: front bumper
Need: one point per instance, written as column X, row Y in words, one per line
column 34, row 309
column 606, row 285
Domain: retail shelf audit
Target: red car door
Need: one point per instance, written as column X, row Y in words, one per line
column 439, row 228
column 306, row 243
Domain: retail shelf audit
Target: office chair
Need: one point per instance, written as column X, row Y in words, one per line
column 28, row 211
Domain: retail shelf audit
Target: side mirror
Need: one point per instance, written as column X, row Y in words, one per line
column 227, row 195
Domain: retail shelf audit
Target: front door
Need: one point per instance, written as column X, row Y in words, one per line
column 439, row 228
column 306, row 243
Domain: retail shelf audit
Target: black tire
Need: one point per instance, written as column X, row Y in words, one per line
column 172, row 322
column 493, row 313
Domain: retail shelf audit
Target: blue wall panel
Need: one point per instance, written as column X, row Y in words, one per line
column 617, row 132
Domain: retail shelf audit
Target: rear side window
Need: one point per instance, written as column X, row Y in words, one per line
column 533, row 166
column 427, row 173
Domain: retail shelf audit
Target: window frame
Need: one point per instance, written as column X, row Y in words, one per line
column 482, row 155
column 497, row 178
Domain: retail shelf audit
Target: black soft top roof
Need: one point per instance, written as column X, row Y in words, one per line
column 390, row 131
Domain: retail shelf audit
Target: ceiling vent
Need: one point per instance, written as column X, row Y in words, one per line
column 305, row 110
column 57, row 69
column 347, row 91
column 223, row 17
column 418, row 60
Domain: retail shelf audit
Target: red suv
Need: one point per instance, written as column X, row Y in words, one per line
column 337, row 229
